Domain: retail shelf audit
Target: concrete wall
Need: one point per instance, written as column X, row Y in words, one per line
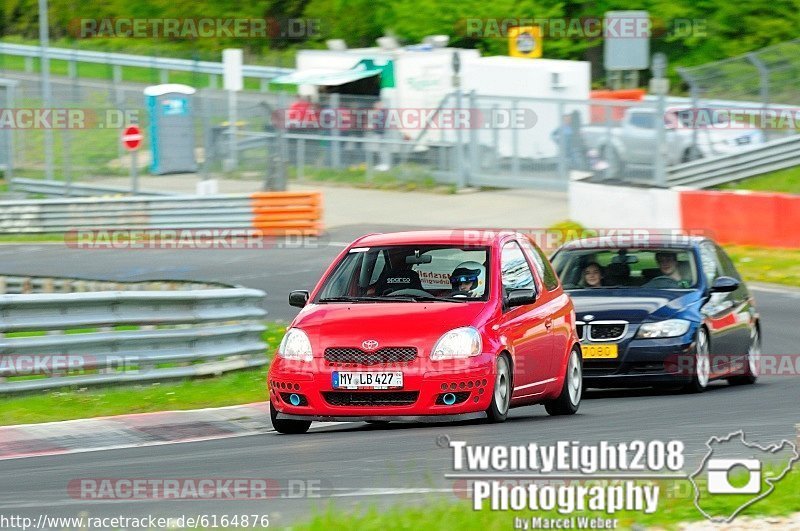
column 736, row 217
column 602, row 206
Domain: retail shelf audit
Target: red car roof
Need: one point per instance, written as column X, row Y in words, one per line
column 424, row 237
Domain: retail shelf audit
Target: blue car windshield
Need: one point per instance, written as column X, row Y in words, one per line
column 626, row 268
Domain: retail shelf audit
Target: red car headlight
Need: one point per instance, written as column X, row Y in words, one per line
column 295, row 345
column 458, row 343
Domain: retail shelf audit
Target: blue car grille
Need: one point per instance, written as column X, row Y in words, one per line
column 606, row 332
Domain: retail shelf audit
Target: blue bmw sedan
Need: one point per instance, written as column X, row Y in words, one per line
column 667, row 311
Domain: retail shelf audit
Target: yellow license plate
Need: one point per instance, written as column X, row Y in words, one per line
column 599, row 351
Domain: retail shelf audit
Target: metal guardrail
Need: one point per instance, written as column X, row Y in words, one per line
column 62, row 189
column 141, row 61
column 272, row 213
column 177, row 212
column 111, row 337
column 712, row 171
column 17, row 285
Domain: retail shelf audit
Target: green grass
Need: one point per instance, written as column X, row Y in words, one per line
column 443, row 515
column 778, row 266
column 238, row 387
column 31, row 238
column 406, row 177
column 786, row 181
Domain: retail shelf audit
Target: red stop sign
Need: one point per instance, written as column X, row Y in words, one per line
column 132, row 138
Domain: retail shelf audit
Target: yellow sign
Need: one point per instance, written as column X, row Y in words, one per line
column 525, row 41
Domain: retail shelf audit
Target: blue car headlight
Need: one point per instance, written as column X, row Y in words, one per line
column 668, row 328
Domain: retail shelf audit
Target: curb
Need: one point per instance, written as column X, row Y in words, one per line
column 135, row 430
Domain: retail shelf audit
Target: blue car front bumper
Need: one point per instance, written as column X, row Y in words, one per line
column 644, row 362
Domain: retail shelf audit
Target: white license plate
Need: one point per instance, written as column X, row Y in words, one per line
column 367, row 380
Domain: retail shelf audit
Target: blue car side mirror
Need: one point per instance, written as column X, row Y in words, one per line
column 724, row 285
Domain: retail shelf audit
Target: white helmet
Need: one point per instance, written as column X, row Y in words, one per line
column 470, row 272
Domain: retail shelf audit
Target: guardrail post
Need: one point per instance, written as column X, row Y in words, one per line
column 300, row 163
column 163, row 76
column 495, row 140
column 29, row 65
column 336, row 154
column 473, row 131
column 369, row 163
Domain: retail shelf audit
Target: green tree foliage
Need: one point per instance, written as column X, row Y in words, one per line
column 709, row 29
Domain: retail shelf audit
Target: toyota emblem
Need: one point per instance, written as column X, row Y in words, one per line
column 588, row 317
column 370, row 344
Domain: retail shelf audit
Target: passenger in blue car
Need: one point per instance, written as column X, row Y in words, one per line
column 592, row 276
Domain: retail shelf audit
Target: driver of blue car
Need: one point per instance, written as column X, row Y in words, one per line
column 668, row 264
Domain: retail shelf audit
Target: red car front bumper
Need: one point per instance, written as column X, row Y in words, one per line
column 425, row 383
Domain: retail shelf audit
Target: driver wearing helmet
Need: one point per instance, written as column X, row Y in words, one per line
column 467, row 280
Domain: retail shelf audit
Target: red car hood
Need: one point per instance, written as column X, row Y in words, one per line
column 390, row 324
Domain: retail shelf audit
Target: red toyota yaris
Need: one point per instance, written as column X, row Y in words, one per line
column 428, row 325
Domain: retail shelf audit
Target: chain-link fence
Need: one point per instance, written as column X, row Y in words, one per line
column 767, row 76
column 272, row 138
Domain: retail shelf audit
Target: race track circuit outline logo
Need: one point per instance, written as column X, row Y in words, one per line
column 724, row 474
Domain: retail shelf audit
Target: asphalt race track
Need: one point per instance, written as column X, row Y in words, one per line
column 360, row 464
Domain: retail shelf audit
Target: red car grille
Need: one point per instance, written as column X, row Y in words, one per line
column 391, row 398
column 362, row 357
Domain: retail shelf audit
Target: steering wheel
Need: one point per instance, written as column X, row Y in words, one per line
column 663, row 282
column 458, row 294
column 408, row 292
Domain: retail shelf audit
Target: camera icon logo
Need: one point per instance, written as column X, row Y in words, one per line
column 733, row 466
column 720, row 472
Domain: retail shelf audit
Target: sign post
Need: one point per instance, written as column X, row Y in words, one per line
column 131, row 140
column 659, row 85
column 461, row 167
column 233, row 83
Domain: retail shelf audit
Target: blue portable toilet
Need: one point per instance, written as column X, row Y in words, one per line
column 172, row 137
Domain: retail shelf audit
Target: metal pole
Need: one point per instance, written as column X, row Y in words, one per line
column 658, row 166
column 694, row 94
column 134, row 172
column 232, row 118
column 659, row 85
column 47, row 96
column 461, row 173
column 563, row 147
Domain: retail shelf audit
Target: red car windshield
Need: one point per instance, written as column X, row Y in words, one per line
column 409, row 273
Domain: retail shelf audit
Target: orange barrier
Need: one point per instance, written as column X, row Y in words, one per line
column 282, row 213
column 744, row 218
column 597, row 113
